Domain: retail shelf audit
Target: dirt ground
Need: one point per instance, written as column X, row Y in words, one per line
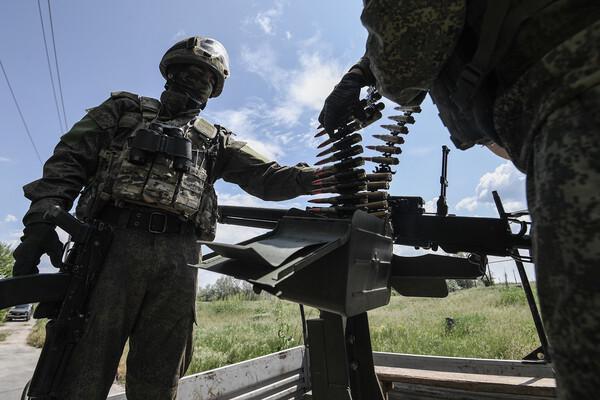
column 17, row 360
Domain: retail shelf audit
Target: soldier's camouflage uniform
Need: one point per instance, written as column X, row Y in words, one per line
column 548, row 119
column 146, row 289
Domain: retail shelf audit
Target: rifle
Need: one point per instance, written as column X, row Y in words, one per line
column 73, row 286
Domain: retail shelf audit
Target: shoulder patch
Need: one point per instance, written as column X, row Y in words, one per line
column 205, row 128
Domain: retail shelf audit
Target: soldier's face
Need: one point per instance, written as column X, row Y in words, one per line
column 198, row 81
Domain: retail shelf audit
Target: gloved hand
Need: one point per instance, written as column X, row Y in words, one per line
column 38, row 238
column 344, row 100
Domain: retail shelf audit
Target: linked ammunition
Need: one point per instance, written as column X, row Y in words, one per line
column 351, row 198
column 386, row 149
column 390, row 138
column 350, row 152
column 378, row 185
column 395, row 128
column 341, row 188
column 414, row 109
column 403, row 119
column 380, row 176
column 335, row 209
column 345, row 142
column 381, row 213
column 343, row 165
column 355, row 174
column 383, row 160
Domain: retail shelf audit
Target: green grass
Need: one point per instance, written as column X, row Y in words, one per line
column 3, row 335
column 489, row 322
column 38, row 333
column 492, row 322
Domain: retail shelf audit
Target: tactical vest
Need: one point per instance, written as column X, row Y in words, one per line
column 166, row 166
column 466, row 88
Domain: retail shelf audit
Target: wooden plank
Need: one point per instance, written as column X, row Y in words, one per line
column 466, row 365
column 407, row 391
column 470, row 382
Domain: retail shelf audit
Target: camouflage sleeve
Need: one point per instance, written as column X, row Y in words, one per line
column 409, row 41
column 259, row 176
column 73, row 162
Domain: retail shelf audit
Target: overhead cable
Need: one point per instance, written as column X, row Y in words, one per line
column 60, row 117
column 37, row 153
column 62, row 100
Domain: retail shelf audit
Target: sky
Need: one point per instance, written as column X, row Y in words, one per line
column 286, row 56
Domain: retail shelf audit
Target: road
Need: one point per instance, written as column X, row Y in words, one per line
column 17, row 360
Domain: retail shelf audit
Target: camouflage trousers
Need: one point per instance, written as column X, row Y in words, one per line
column 563, row 190
column 146, row 293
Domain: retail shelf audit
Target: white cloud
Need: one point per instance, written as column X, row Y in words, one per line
column 468, row 203
column 5, row 159
column 241, row 199
column 179, row 35
column 507, row 180
column 301, row 89
column 298, row 91
column 262, row 60
column 431, row 205
column 10, row 218
column 288, row 35
column 247, row 123
column 266, row 19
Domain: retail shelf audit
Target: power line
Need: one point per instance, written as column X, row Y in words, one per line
column 37, row 153
column 50, row 68
column 62, row 100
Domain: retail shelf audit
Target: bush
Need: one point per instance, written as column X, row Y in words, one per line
column 226, row 287
column 38, row 334
column 512, row 296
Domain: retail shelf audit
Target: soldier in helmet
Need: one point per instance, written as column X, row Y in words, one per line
column 522, row 77
column 147, row 167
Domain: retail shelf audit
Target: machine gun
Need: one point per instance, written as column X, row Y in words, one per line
column 69, row 291
column 345, row 267
column 340, row 259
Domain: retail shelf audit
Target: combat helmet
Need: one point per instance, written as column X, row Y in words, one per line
column 202, row 51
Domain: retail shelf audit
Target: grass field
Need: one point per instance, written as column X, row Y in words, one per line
column 2, row 316
column 491, row 322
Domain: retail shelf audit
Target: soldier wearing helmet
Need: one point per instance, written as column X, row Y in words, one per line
column 147, row 167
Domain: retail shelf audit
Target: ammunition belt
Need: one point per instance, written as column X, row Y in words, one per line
column 145, row 219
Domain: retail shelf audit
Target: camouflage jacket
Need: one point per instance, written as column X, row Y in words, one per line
column 78, row 163
column 553, row 58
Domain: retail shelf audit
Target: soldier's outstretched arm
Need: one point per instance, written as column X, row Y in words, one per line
column 256, row 174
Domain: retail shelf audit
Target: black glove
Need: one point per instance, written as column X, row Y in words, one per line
column 343, row 101
column 38, row 238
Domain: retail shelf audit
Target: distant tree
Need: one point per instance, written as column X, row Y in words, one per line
column 225, row 287
column 6, row 260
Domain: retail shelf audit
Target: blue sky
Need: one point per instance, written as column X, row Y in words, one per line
column 285, row 58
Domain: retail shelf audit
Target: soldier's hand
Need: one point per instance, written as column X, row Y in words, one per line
column 38, row 238
column 343, row 101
